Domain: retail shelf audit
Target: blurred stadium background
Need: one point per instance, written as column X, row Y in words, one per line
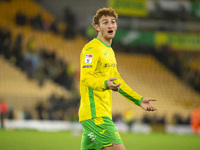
column 157, row 47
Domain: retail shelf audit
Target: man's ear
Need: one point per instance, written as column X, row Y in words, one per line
column 96, row 27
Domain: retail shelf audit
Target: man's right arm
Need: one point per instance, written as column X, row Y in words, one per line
column 88, row 63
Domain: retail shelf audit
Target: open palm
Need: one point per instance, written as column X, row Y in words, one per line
column 146, row 105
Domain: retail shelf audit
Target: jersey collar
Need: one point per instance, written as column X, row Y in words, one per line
column 103, row 43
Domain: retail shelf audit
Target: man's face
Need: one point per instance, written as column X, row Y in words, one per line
column 107, row 27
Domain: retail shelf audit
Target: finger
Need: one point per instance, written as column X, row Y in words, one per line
column 152, row 99
column 153, row 108
column 116, row 85
column 112, row 79
column 115, row 89
column 148, row 108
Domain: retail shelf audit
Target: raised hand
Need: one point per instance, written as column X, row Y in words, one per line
column 112, row 86
column 146, row 105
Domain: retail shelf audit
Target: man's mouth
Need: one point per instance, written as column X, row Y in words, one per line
column 110, row 31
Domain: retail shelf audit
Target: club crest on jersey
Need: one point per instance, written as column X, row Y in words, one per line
column 88, row 58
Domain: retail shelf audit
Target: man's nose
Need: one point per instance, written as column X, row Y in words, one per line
column 110, row 25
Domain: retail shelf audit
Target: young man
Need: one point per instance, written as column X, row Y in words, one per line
column 99, row 77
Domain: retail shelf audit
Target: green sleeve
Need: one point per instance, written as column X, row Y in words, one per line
column 127, row 92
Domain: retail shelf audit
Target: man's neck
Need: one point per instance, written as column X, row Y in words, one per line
column 105, row 41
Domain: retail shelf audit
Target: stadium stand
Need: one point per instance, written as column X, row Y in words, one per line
column 9, row 10
column 150, row 78
column 194, row 63
column 21, row 92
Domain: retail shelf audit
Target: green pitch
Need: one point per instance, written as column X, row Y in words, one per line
column 35, row 140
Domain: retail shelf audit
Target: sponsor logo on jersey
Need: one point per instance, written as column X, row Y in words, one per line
column 87, row 66
column 88, row 58
column 109, row 65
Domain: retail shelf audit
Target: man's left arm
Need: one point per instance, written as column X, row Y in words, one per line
column 127, row 92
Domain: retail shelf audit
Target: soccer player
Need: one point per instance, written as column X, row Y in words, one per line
column 195, row 120
column 99, row 77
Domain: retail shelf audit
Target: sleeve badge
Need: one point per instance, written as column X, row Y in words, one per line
column 88, row 58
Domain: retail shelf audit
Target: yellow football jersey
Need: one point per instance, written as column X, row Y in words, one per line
column 98, row 64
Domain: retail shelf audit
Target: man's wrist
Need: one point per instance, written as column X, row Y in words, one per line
column 105, row 84
column 140, row 101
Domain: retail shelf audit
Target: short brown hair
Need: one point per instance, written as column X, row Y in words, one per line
column 104, row 12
